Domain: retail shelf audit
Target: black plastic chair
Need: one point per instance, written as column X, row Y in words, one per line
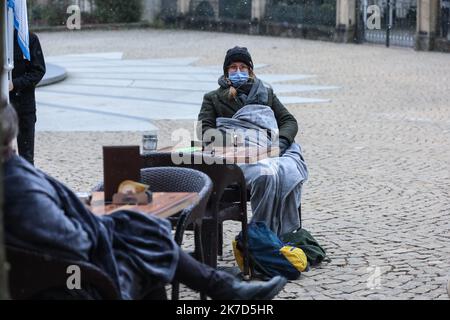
column 218, row 210
column 39, row 276
column 232, row 195
column 181, row 180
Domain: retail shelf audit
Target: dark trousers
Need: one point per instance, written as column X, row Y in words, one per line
column 198, row 277
column 445, row 21
column 25, row 138
column 202, row 278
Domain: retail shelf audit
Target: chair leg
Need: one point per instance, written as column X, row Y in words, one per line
column 209, row 235
column 220, row 241
column 243, row 205
column 247, row 272
column 199, row 249
column 300, row 215
column 179, row 232
column 198, row 255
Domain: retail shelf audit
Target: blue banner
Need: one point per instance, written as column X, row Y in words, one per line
column 19, row 8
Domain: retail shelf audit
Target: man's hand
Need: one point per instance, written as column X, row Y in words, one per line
column 11, row 86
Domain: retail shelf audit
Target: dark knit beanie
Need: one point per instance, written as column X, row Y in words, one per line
column 237, row 54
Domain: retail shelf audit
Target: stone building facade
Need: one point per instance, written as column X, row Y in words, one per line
column 426, row 20
column 424, row 27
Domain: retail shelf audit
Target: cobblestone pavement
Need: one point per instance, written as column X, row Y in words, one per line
column 378, row 195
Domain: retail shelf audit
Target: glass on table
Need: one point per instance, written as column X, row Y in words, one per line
column 149, row 142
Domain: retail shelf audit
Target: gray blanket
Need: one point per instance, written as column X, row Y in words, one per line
column 275, row 183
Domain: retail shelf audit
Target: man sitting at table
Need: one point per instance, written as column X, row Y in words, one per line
column 135, row 250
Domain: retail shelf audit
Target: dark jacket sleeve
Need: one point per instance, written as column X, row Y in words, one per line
column 33, row 216
column 207, row 116
column 36, row 70
column 287, row 124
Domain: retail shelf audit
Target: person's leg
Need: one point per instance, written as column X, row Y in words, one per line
column 195, row 275
column 157, row 294
column 220, row 285
column 25, row 138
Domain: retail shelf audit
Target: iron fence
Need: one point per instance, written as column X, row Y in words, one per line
column 402, row 19
column 302, row 12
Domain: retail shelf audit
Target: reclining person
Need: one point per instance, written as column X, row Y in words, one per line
column 137, row 251
column 243, row 106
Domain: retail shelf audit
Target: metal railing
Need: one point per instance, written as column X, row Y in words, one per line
column 396, row 38
column 398, row 20
column 308, row 13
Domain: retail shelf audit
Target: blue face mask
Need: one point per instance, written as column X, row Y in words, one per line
column 238, row 78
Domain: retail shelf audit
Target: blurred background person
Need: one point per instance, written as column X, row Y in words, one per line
column 25, row 77
column 445, row 15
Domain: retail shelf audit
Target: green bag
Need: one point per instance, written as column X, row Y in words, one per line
column 304, row 240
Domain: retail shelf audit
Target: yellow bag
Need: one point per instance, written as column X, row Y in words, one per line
column 238, row 256
column 296, row 257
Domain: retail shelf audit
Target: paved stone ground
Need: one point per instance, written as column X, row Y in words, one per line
column 105, row 92
column 378, row 195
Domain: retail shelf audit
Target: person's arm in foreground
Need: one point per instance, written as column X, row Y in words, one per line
column 36, row 219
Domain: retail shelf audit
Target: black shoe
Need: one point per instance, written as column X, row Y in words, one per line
column 240, row 290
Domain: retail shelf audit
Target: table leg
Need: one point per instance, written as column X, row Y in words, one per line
column 210, row 242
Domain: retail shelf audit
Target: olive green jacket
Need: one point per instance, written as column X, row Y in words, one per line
column 217, row 104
